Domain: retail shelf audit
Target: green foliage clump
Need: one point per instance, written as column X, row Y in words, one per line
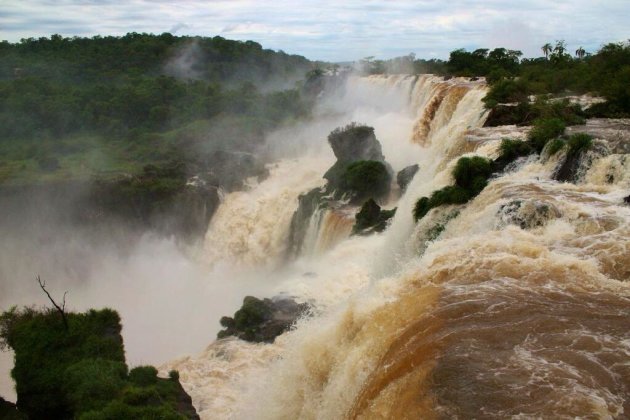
column 578, row 142
column 173, row 375
column 80, row 371
column 471, row 173
column 92, row 383
column 510, row 150
column 554, row 146
column 366, row 178
column 570, row 114
column 371, row 218
column 506, row 91
column 143, row 375
column 350, row 133
column 452, row 194
column 253, row 312
column 471, row 177
column 545, row 130
column 45, row 350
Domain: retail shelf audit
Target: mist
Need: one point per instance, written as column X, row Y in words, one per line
column 169, row 303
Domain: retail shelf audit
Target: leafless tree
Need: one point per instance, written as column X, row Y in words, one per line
column 61, row 309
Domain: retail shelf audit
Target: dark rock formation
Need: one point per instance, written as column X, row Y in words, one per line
column 579, row 157
column 510, row 114
column 355, row 142
column 350, row 144
column 527, row 214
column 229, row 169
column 371, row 218
column 307, row 205
column 185, row 406
column 567, row 171
column 261, row 321
column 162, row 199
column 405, row 176
column 9, row 411
column 359, row 173
column 627, row 200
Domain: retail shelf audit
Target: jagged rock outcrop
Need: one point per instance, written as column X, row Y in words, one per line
column 307, row 205
column 230, row 169
column 577, row 160
column 509, row 114
column 405, row 176
column 527, row 214
column 371, row 218
column 354, row 143
column 262, row 320
column 360, row 173
column 185, row 406
column 163, row 199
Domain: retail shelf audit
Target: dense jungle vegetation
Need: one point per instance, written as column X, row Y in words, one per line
column 75, row 107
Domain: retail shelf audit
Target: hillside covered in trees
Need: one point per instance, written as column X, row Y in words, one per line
column 78, row 107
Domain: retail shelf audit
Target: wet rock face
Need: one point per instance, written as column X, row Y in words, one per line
column 9, row 411
column 355, row 142
column 360, row 173
column 161, row 199
column 307, row 205
column 185, row 405
column 527, row 214
column 576, row 163
column 351, row 144
column 371, row 219
column 509, row 114
column 405, row 176
column 262, row 320
column 230, row 169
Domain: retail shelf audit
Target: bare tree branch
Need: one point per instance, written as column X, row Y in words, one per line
column 61, row 309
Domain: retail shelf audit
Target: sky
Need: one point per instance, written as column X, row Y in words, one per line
column 336, row 30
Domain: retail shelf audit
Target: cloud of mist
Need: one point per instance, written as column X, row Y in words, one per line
column 170, row 302
column 182, row 63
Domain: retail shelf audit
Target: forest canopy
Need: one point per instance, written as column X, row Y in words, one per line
column 71, row 107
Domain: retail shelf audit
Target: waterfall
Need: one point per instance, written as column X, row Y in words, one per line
column 252, row 227
column 518, row 306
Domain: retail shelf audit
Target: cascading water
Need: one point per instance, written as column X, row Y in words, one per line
column 518, row 306
column 252, row 227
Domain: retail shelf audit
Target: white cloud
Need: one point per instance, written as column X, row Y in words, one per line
column 334, row 30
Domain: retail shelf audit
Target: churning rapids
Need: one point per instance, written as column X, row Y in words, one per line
column 490, row 319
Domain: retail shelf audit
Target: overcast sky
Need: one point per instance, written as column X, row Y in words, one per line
column 336, row 30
